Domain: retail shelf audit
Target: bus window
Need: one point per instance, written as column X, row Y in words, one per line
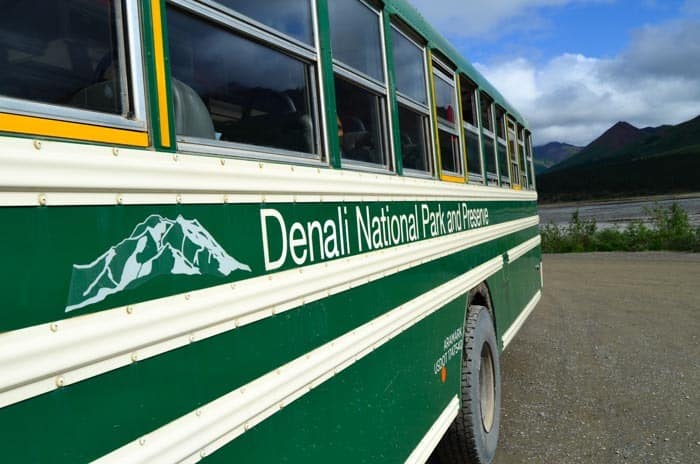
column 530, row 160
column 501, row 147
column 500, row 122
column 57, row 58
column 412, row 97
column 525, row 180
column 291, row 17
column 491, row 170
column 470, row 119
column 513, row 154
column 360, row 84
column 503, row 164
column 253, row 93
column 487, row 112
column 360, row 120
column 355, row 37
column 487, row 121
column 447, row 121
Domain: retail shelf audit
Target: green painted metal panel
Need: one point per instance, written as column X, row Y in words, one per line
column 44, row 244
column 376, row 411
column 90, row 418
column 324, row 38
column 524, row 279
column 159, row 141
column 391, row 79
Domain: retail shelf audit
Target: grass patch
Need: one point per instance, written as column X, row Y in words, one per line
column 669, row 229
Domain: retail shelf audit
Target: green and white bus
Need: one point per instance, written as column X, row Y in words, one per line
column 254, row 231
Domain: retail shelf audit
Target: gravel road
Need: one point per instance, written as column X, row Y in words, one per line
column 607, row 368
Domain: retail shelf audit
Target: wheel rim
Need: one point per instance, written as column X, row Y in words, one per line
column 487, row 389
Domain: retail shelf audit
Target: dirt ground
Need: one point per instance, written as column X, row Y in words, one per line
column 607, row 368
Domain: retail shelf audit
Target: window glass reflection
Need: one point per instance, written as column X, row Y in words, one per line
column 514, row 167
column 500, row 123
column 253, row 94
column 293, row 17
column 449, row 152
column 355, row 37
column 503, row 162
column 409, row 68
column 414, row 146
column 473, row 153
column 486, row 113
column 62, row 53
column 445, row 101
column 359, row 122
column 489, row 156
column 469, row 102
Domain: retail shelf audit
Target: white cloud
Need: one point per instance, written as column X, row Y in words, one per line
column 574, row 98
column 471, row 18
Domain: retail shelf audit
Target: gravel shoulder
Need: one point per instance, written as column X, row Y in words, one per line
column 607, row 368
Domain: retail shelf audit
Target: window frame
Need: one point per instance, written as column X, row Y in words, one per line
column 478, row 178
column 309, row 54
column 379, row 89
column 530, row 160
column 131, row 75
column 270, row 31
column 441, row 70
column 491, row 178
column 418, row 107
column 500, row 116
column 522, row 157
column 514, row 168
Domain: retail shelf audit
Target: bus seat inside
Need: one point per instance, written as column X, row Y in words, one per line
column 192, row 118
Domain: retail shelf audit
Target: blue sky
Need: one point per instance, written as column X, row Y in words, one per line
column 575, row 67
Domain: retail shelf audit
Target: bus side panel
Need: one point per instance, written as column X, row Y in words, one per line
column 85, row 420
column 376, row 411
column 524, row 279
column 513, row 287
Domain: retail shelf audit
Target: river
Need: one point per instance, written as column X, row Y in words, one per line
column 619, row 213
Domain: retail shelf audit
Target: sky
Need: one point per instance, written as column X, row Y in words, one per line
column 573, row 68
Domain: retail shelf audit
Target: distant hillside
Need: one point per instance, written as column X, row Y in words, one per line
column 553, row 153
column 614, row 139
column 629, row 161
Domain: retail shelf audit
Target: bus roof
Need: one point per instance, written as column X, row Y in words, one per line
column 410, row 15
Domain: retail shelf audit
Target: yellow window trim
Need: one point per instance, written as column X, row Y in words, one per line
column 159, row 50
column 455, row 179
column 433, row 111
column 70, row 130
column 460, row 118
column 514, row 184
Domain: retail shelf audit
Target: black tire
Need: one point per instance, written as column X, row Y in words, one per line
column 473, row 436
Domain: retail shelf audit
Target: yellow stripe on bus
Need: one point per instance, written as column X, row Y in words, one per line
column 159, row 51
column 71, row 130
column 455, row 179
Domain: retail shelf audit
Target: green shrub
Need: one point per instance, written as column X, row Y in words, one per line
column 670, row 230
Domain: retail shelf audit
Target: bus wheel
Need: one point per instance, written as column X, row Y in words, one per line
column 473, row 436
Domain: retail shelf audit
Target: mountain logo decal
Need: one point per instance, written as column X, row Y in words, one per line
column 158, row 246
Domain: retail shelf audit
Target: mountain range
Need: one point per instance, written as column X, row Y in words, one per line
column 158, row 246
column 626, row 161
column 552, row 154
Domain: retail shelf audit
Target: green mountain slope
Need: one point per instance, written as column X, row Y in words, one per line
column 607, row 145
column 552, row 154
column 629, row 161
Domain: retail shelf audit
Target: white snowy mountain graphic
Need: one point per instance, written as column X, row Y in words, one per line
column 158, row 246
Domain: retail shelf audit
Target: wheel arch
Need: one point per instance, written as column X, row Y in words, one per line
column 481, row 296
